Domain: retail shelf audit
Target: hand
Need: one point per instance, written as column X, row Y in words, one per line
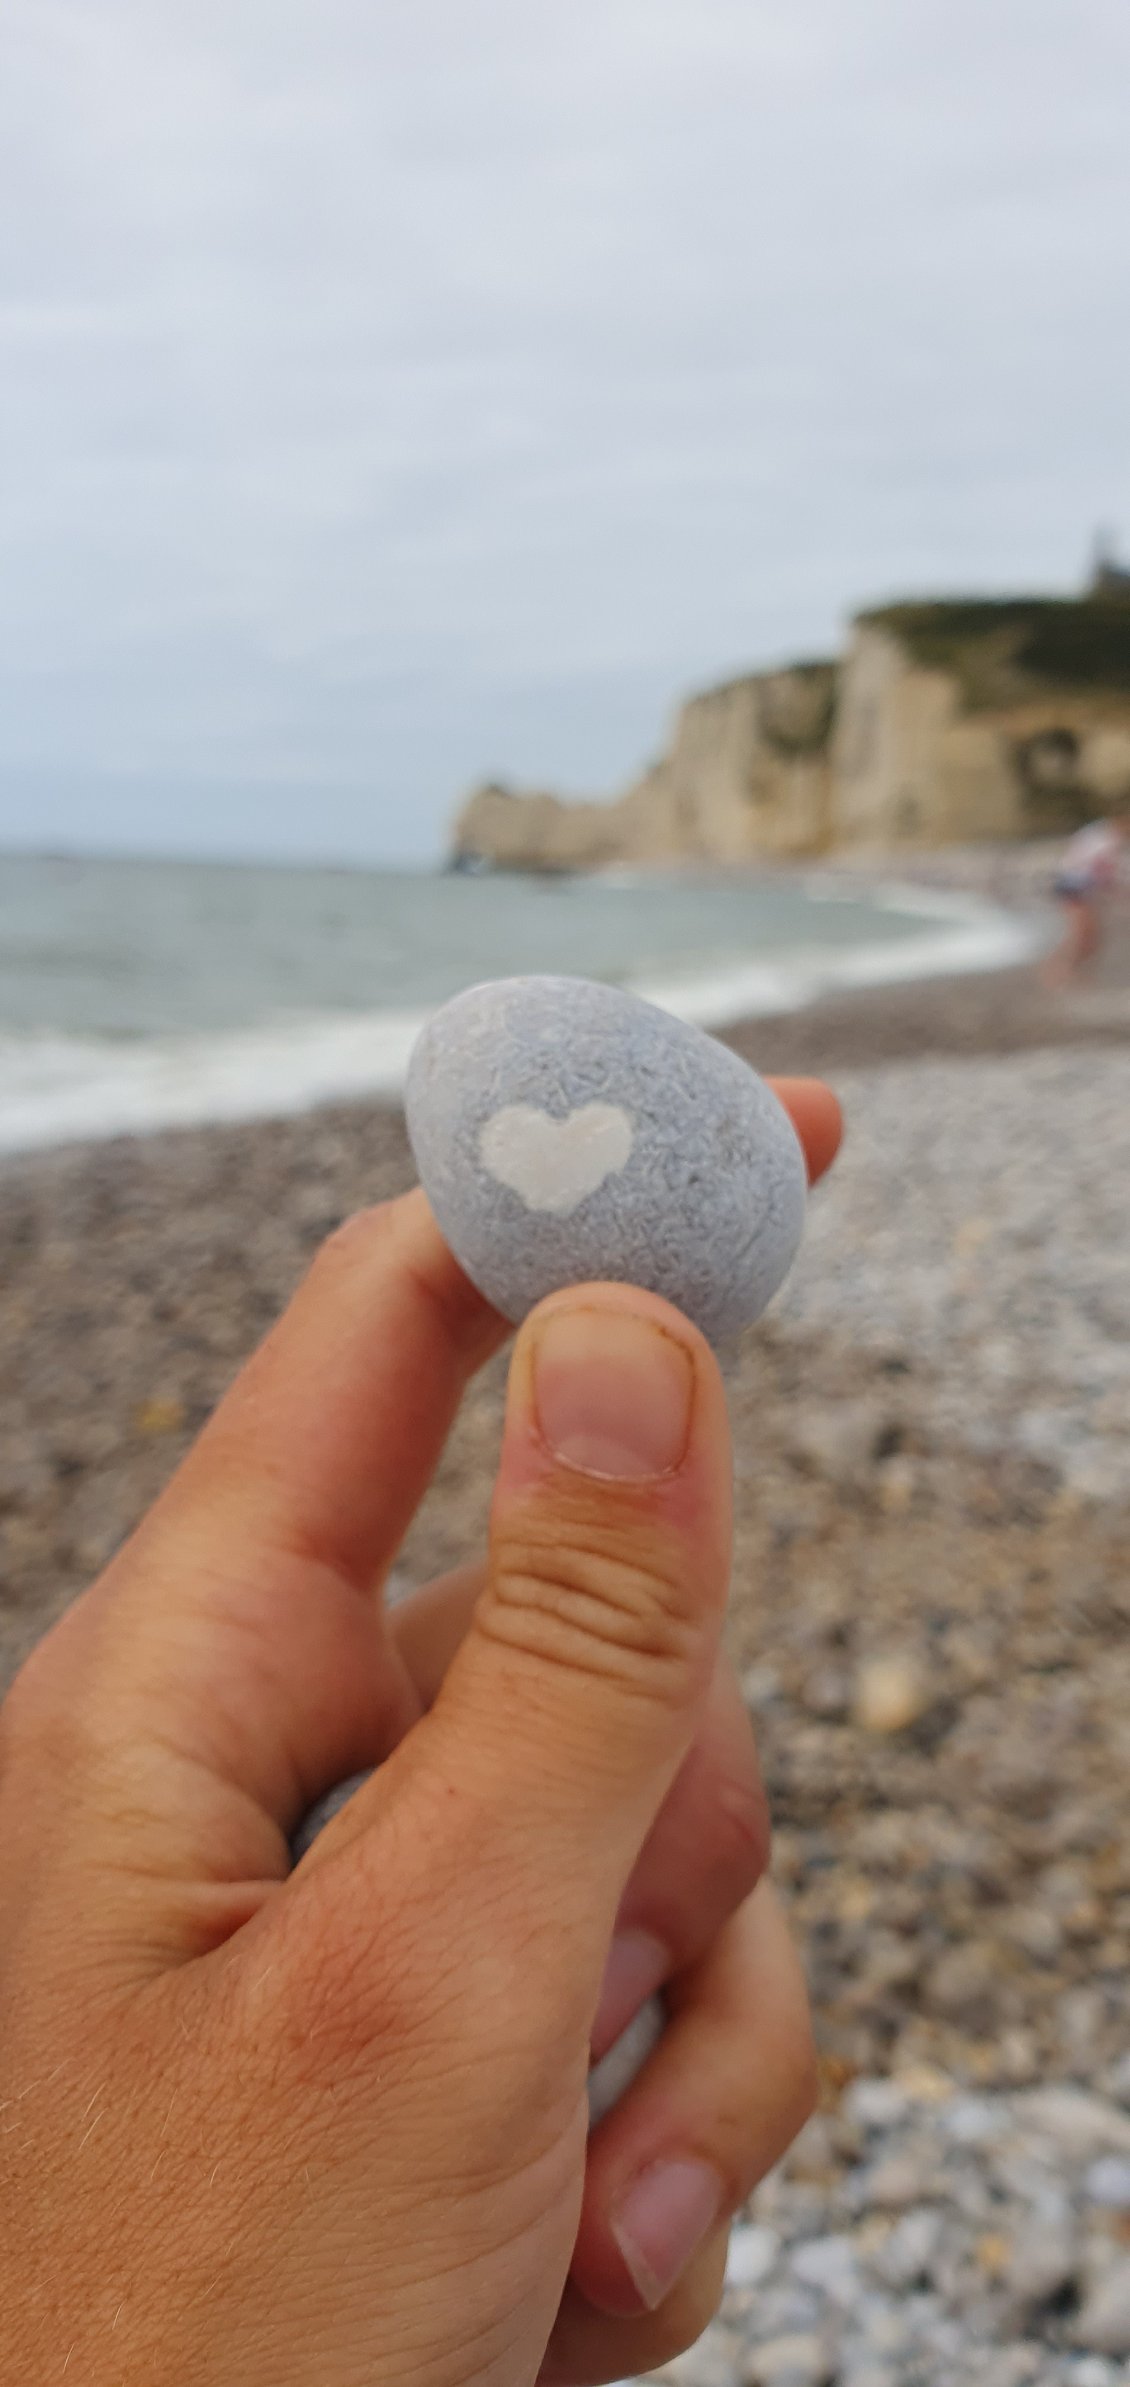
column 329, row 2129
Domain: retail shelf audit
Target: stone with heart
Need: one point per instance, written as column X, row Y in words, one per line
column 566, row 1132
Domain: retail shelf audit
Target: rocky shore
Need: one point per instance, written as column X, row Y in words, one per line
column 930, row 1619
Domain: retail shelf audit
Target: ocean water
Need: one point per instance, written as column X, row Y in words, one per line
column 141, row 994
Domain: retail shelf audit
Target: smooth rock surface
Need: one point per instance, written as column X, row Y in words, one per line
column 567, row 1132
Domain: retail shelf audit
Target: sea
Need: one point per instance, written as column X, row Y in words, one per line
column 140, row 994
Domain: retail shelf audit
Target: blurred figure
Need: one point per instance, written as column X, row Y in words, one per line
column 1088, row 874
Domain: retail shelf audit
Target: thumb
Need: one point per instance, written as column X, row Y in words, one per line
column 576, row 1693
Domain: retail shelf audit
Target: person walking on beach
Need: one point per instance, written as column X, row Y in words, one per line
column 1087, row 875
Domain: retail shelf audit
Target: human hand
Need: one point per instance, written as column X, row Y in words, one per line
column 330, row 2129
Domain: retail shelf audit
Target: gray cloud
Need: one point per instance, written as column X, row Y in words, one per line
column 389, row 395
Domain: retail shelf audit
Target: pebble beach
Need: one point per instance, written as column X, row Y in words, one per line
column 930, row 1619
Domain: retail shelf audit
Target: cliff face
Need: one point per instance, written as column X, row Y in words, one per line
column 943, row 723
column 747, row 772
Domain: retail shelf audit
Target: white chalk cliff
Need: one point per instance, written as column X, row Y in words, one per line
column 941, row 723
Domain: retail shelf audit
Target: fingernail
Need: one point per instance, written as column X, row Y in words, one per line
column 664, row 2218
column 637, row 1964
column 612, row 1393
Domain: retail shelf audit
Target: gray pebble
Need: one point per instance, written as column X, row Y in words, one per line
column 907, row 2258
column 322, row 1812
column 567, row 1132
column 1108, row 2182
column 1044, row 2264
column 801, row 2361
column 1103, row 2325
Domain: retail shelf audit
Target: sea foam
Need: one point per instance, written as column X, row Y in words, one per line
column 67, row 1089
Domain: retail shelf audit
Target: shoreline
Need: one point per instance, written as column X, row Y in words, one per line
column 57, row 1090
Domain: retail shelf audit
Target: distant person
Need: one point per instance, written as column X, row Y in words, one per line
column 1088, row 874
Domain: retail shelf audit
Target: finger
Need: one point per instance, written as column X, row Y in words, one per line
column 432, row 1622
column 330, row 1434
column 232, row 1661
column 576, row 1693
column 725, row 2092
column 705, row 1853
column 816, row 1116
column 589, row 2348
column 707, row 1848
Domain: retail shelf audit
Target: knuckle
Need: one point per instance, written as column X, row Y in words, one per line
column 352, row 1242
column 607, row 1599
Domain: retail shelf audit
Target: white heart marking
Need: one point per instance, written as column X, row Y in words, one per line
column 554, row 1164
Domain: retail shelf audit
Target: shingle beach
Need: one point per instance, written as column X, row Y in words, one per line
column 931, row 1619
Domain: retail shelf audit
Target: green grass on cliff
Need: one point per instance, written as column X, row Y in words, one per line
column 1004, row 649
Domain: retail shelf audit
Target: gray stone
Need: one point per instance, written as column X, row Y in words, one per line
column 322, row 1813
column 1103, row 2326
column 908, row 2256
column 829, row 2264
column 974, row 2121
column 800, row 2361
column 895, row 2180
column 1108, row 2182
column 716, row 2361
column 1079, row 2124
column 875, row 2104
column 1016, row 2366
column 1117, row 2081
column 566, row 1132
column 1043, row 2264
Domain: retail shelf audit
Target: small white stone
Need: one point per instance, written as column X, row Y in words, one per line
column 753, row 2252
column 891, row 1693
column 800, row 2361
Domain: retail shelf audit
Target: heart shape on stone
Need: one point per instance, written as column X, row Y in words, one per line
column 554, row 1164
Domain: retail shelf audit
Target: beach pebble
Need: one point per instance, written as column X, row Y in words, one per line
column 566, row 1132
column 890, row 1694
column 1103, row 2325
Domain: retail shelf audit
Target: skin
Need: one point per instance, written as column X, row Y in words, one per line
column 328, row 2128
column 1082, row 917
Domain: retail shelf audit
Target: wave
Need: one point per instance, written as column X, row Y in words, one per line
column 58, row 1089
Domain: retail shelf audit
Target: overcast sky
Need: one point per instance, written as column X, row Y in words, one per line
column 395, row 392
